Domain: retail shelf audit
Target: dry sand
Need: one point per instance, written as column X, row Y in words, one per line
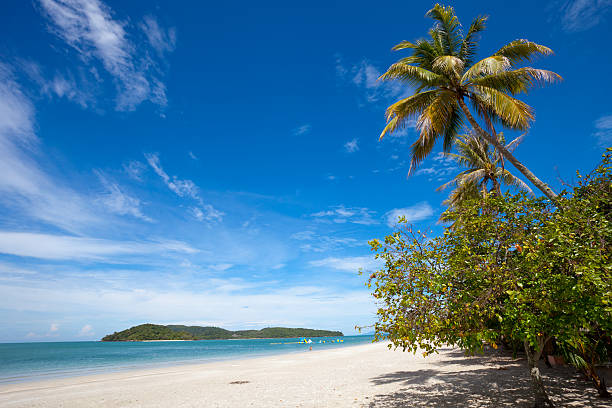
column 360, row 376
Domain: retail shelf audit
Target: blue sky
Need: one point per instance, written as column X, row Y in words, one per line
column 183, row 162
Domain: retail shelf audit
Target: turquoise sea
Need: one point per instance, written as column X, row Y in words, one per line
column 37, row 361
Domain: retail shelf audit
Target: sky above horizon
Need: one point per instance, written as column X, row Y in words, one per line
column 212, row 164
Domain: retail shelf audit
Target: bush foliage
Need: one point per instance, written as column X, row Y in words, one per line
column 510, row 268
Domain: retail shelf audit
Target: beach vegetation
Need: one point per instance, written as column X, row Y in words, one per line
column 148, row 331
column 515, row 270
column 180, row 332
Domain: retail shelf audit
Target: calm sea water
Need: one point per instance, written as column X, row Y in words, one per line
column 36, row 361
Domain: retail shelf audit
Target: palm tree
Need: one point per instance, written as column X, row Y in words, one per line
column 442, row 69
column 484, row 173
column 483, row 167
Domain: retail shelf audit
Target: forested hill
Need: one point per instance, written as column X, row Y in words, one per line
column 180, row 332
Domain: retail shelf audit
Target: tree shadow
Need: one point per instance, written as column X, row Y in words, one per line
column 490, row 380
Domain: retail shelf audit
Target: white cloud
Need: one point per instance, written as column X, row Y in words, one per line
column 313, row 242
column 52, row 332
column 88, row 27
column 365, row 76
column 347, row 264
column 295, row 306
column 340, row 214
column 301, row 130
column 182, row 188
column 64, row 247
column 207, row 213
column 351, row 146
column 193, row 156
column 161, row 40
column 185, row 188
column 603, row 130
column 417, row 212
column 119, row 202
column 134, row 169
column 86, row 331
column 221, row 267
column 61, row 85
column 580, row 15
column 441, row 167
column 24, row 186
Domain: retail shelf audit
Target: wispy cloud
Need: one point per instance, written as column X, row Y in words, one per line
column 581, row 15
column 310, row 241
column 292, row 306
column 301, row 130
column 24, row 186
column 134, row 169
column 65, row 247
column 340, row 214
column 364, row 75
column 347, row 264
column 351, row 146
column 182, row 188
column 402, row 135
column 162, row 40
column 207, row 213
column 86, row 331
column 440, row 167
column 89, row 28
column 185, row 188
column 52, row 332
column 118, row 201
column 603, row 130
column 417, row 212
column 60, row 85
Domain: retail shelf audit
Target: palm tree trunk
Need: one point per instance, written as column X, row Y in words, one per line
column 502, row 149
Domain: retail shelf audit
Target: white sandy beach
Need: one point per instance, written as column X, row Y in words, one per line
column 359, row 376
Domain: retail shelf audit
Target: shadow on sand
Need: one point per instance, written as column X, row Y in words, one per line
column 490, row 380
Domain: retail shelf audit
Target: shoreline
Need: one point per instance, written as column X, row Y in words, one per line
column 80, row 372
column 367, row 375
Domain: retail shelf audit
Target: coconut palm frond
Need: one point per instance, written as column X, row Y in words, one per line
column 402, row 111
column 511, row 112
column 511, row 180
column 516, row 81
column 523, row 50
column 487, row 66
column 455, row 124
column 423, row 53
column 448, row 27
column 469, row 46
column 515, row 142
column 436, row 120
column 412, row 75
column 480, row 164
column 448, row 65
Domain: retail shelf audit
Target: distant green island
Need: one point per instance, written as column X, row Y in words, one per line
column 149, row 331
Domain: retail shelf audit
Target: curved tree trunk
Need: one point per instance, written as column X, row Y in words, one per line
column 541, row 398
column 502, row 149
